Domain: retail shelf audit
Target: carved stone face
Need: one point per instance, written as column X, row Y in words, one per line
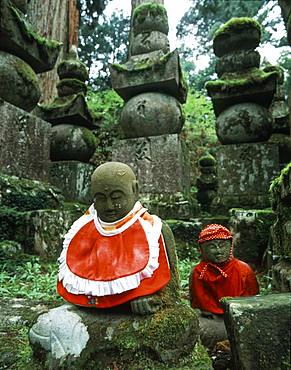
column 216, row 251
column 115, row 191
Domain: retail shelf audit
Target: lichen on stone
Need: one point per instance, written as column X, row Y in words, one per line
column 235, row 25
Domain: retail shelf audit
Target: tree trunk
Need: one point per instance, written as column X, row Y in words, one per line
column 58, row 20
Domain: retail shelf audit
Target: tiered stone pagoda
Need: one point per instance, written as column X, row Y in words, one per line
column 24, row 139
column 152, row 85
column 73, row 142
column 241, row 98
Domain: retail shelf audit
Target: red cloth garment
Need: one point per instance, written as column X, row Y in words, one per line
column 206, row 289
column 130, row 260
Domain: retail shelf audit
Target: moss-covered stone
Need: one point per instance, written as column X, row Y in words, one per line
column 126, row 342
column 27, row 195
column 207, row 161
column 70, row 86
column 237, row 34
column 237, row 61
column 73, row 67
column 150, row 17
column 71, row 142
column 18, row 82
column 280, row 187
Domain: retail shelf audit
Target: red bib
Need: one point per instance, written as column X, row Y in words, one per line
column 96, row 257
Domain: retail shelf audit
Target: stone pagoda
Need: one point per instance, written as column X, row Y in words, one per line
column 72, row 142
column 152, row 86
column 24, row 139
column 241, row 99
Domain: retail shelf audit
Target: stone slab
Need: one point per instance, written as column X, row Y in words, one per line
column 244, row 173
column 259, row 331
column 71, row 110
column 16, row 38
column 73, row 178
column 24, row 143
column 164, row 76
column 77, row 338
column 250, row 229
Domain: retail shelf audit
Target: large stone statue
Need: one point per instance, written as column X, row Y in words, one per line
column 117, row 253
column 119, row 262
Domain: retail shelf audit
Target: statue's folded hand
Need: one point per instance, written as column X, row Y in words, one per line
column 145, row 305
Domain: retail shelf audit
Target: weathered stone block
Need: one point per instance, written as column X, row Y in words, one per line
column 244, row 123
column 163, row 75
column 244, row 174
column 24, row 143
column 159, row 162
column 259, row 331
column 17, row 38
column 80, row 338
column 280, row 242
column 250, row 229
column 73, row 178
column 284, row 144
column 236, row 61
column 151, row 114
column 147, row 42
column 72, row 109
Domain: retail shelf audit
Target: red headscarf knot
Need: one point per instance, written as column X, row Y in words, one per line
column 214, row 231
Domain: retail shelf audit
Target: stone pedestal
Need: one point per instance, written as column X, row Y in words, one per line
column 161, row 166
column 73, row 179
column 245, row 172
column 70, row 337
column 24, row 143
column 250, row 229
column 259, row 331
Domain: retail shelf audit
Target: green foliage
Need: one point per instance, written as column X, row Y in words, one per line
column 106, row 107
column 24, row 276
column 199, row 128
column 285, row 62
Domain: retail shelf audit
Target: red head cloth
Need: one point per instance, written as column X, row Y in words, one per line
column 214, row 231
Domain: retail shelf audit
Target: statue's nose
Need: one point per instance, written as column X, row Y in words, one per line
column 110, row 204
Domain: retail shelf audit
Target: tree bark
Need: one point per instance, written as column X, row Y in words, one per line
column 58, row 20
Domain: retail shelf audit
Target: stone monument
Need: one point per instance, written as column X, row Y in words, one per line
column 152, row 85
column 72, row 142
column 241, row 98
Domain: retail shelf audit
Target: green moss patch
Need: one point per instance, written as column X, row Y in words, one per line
column 236, row 25
column 277, row 184
column 152, row 9
column 27, row 195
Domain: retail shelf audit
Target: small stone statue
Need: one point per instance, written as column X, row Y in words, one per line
column 218, row 275
column 117, row 253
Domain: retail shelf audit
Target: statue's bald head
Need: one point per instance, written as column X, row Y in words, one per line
column 114, row 187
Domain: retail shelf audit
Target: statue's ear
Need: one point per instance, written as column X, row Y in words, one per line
column 135, row 187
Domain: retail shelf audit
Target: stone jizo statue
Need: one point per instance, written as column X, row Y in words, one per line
column 219, row 274
column 117, row 254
